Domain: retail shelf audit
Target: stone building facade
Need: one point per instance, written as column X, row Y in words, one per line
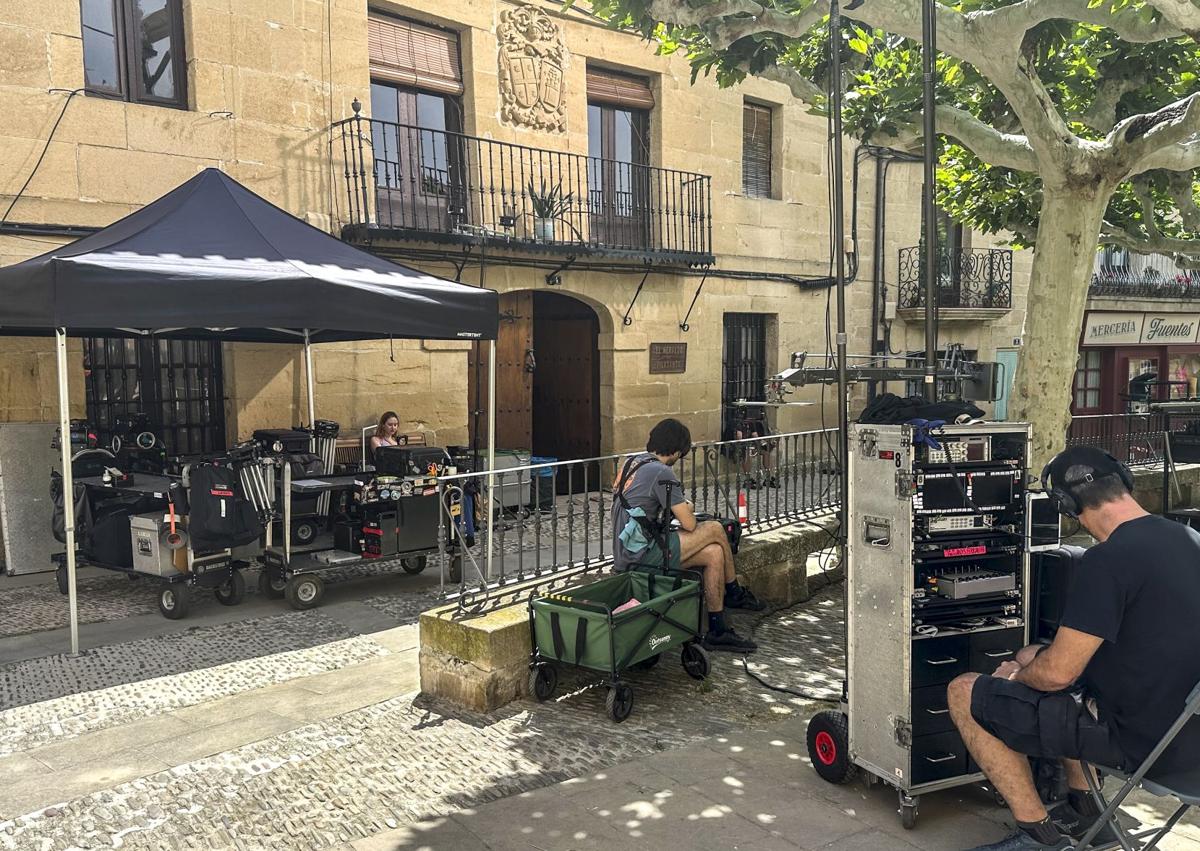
column 391, row 123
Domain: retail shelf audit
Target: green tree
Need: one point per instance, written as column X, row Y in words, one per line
column 1064, row 123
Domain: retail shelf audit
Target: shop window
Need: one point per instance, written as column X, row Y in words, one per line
column 1087, row 382
column 133, row 50
column 756, row 150
column 1184, row 371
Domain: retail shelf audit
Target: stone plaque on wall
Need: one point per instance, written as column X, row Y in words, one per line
column 533, row 61
column 668, row 358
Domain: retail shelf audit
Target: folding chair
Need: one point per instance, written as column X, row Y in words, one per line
column 1183, row 785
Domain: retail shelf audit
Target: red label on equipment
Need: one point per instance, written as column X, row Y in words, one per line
column 216, row 492
column 887, row 454
column 953, row 552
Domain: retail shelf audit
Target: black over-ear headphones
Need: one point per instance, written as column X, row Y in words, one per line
column 1064, row 500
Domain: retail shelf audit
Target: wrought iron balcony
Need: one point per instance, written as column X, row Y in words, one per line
column 408, row 182
column 972, row 278
column 1124, row 275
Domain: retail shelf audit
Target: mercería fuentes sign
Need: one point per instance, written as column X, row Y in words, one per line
column 1108, row 328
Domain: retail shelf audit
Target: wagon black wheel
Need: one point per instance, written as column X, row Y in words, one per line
column 455, row 570
column 173, row 601
column 413, row 564
column 233, row 590
column 304, row 591
column 829, row 747
column 619, row 702
column 270, row 584
column 696, row 662
column 647, row 663
column 60, row 577
column 543, row 680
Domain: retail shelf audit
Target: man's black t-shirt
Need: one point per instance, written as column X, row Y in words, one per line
column 1140, row 592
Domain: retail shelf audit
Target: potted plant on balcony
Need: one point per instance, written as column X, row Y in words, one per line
column 548, row 204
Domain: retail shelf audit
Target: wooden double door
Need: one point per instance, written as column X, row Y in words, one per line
column 547, row 377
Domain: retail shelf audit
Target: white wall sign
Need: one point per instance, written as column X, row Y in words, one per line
column 1112, row 329
column 1170, row 327
column 1157, row 329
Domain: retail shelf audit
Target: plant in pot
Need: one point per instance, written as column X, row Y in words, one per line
column 548, row 204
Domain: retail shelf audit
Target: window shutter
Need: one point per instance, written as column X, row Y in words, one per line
column 413, row 54
column 618, row 89
column 756, row 150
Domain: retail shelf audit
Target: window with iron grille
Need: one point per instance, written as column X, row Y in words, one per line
column 133, row 50
column 743, row 369
column 177, row 383
column 756, row 150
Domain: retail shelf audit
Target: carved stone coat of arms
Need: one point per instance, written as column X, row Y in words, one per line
column 532, row 65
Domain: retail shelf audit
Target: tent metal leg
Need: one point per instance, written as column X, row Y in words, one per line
column 68, row 480
column 308, row 379
column 491, row 454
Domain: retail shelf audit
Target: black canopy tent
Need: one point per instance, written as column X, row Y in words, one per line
column 213, row 260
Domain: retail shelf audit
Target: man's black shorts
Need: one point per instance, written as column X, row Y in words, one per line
column 1052, row 726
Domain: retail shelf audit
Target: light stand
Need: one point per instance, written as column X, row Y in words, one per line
column 928, row 66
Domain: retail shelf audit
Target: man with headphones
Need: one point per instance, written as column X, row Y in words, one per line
column 1118, row 672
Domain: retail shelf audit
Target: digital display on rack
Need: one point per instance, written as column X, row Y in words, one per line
column 991, row 490
column 986, row 490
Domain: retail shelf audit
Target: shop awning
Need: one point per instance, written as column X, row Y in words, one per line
column 211, row 259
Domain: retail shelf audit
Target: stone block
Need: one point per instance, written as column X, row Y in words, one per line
column 191, row 134
column 25, row 57
column 478, row 663
column 132, row 177
column 66, row 61
column 55, row 178
column 59, row 16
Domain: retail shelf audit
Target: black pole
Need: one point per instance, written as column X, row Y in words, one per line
column 928, row 52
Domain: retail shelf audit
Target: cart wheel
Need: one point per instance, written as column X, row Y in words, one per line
column 908, row 812
column 60, row 577
column 173, row 601
column 619, row 702
column 414, row 564
column 647, row 663
column 304, row 591
column 829, row 747
column 696, row 662
column 304, row 532
column 271, row 586
column 233, row 590
column 543, row 680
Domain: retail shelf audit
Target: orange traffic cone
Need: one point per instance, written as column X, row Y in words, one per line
column 743, row 509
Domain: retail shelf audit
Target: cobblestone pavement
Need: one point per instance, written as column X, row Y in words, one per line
column 58, row 697
column 405, row 760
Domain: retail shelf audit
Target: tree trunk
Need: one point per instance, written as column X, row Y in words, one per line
column 1068, row 231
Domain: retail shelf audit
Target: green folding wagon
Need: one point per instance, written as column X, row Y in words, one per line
column 581, row 627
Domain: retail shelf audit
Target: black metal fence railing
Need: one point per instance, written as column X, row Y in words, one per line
column 447, row 186
column 972, row 277
column 550, row 522
column 1156, row 277
column 1136, row 439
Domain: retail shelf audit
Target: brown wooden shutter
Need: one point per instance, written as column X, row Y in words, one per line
column 413, row 54
column 618, row 89
column 756, row 150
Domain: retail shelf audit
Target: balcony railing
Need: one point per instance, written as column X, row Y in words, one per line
column 433, row 185
column 1127, row 275
column 970, row 278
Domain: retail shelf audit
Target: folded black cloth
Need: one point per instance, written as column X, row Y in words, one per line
column 888, row 408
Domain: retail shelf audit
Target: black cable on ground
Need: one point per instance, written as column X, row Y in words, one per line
column 782, row 689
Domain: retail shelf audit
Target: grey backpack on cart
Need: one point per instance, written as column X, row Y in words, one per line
column 221, row 516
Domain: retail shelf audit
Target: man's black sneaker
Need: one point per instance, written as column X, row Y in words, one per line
column 729, row 642
column 1069, row 821
column 1022, row 841
column 743, row 598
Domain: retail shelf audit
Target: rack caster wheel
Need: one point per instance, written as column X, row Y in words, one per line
column 619, row 702
column 271, row 586
column 829, row 747
column 413, row 565
column 173, row 601
column 233, row 590
column 304, row 591
column 908, row 811
column 304, row 532
column 60, row 578
column 543, row 680
column 695, row 661
column 454, row 570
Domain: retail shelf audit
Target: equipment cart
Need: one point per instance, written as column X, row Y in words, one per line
column 591, row 627
column 402, row 523
column 936, row 585
column 145, row 545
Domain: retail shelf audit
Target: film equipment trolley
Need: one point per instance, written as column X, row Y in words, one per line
column 936, row 585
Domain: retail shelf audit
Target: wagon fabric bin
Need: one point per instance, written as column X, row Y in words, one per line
column 576, row 626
